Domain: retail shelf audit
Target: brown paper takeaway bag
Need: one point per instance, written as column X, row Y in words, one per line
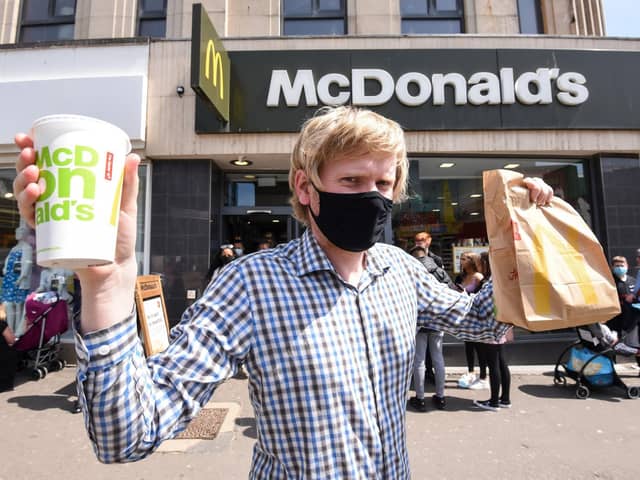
column 548, row 268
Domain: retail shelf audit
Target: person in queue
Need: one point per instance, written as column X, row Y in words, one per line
column 325, row 324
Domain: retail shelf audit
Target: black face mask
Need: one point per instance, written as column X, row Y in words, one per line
column 352, row 221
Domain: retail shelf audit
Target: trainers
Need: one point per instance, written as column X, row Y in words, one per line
column 438, row 402
column 504, row 404
column 487, row 405
column 466, row 380
column 418, row 404
column 479, row 384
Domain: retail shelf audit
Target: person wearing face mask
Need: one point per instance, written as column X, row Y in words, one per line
column 225, row 256
column 627, row 320
column 325, row 324
column 625, row 324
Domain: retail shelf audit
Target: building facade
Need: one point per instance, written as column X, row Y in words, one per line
column 532, row 85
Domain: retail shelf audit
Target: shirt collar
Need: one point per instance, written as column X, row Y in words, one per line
column 309, row 257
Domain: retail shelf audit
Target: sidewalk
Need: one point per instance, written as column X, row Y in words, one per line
column 547, row 434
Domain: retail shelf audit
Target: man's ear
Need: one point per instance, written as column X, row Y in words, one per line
column 302, row 187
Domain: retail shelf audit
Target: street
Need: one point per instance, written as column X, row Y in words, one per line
column 547, row 434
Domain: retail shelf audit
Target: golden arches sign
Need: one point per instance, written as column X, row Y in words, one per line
column 210, row 64
column 218, row 72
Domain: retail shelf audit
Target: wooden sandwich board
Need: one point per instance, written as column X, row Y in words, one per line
column 152, row 314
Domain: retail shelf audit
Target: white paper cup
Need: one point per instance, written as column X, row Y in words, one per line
column 81, row 161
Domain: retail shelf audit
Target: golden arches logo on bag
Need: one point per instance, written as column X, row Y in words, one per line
column 568, row 250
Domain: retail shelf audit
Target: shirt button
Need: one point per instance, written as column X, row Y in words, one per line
column 104, row 349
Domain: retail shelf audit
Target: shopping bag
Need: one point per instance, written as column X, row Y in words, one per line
column 549, row 270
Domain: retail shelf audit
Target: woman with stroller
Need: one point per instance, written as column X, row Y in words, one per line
column 494, row 354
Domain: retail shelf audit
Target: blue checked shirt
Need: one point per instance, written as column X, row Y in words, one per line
column 329, row 363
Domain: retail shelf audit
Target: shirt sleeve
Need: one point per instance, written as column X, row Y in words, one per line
column 466, row 316
column 132, row 404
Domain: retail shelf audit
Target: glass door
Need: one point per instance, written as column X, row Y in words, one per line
column 259, row 228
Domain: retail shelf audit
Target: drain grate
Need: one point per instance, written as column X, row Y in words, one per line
column 206, row 425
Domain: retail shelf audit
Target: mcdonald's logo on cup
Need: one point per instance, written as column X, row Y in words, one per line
column 210, row 64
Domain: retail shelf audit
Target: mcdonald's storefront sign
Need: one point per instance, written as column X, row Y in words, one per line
column 210, row 65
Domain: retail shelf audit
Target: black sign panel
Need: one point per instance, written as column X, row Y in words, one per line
column 495, row 89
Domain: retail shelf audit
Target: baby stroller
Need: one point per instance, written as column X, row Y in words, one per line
column 590, row 361
column 47, row 318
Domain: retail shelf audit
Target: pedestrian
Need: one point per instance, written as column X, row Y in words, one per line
column 429, row 344
column 8, row 357
column 325, row 323
column 626, row 323
column 470, row 281
column 226, row 254
column 435, row 266
column 627, row 320
column 494, row 354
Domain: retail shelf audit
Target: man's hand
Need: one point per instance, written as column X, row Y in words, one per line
column 109, row 289
column 539, row 192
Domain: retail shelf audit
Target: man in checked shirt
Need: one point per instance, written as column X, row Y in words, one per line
column 325, row 325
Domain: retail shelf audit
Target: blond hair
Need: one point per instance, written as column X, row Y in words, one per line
column 346, row 130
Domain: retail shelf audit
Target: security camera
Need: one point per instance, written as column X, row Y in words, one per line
column 180, row 90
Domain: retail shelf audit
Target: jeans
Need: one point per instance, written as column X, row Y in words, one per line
column 434, row 340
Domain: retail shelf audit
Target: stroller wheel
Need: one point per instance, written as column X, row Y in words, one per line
column 632, row 392
column 56, row 365
column 582, row 392
column 559, row 379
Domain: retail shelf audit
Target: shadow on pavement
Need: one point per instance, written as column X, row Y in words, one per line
column 250, row 424
column 63, row 399
column 606, row 394
column 43, row 402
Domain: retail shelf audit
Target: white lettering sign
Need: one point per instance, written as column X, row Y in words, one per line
column 414, row 88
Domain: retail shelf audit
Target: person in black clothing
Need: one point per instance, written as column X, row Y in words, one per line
column 8, row 357
column 225, row 255
column 626, row 323
column 494, row 355
column 627, row 320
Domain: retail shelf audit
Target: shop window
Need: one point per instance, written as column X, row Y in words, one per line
column 9, row 216
column 152, row 18
column 314, row 17
column 47, row 20
column 530, row 16
column 432, row 16
column 256, row 189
